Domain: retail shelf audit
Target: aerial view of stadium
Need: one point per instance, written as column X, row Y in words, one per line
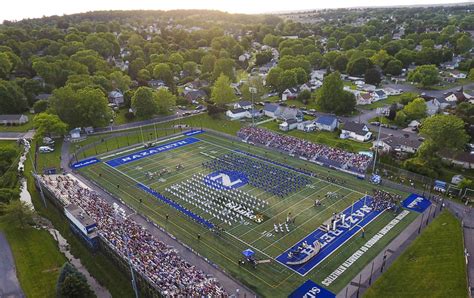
column 223, row 148
column 272, row 219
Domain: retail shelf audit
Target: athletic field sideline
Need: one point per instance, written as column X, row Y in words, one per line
column 270, row 279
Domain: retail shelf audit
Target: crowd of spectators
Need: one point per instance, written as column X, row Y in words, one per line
column 156, row 261
column 382, row 200
column 312, row 151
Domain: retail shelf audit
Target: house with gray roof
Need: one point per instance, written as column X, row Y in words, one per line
column 17, row 119
column 356, row 131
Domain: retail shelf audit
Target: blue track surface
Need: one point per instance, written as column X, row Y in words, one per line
column 331, row 241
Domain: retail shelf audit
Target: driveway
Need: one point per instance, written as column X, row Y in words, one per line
column 9, row 284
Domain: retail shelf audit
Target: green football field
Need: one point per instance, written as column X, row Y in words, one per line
column 224, row 249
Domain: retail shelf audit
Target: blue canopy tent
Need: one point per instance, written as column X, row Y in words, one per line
column 248, row 253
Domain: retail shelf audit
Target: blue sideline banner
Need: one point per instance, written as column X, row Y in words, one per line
column 310, row 289
column 416, row 203
column 85, row 163
column 193, row 132
column 149, row 152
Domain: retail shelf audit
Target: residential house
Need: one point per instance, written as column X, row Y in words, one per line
column 443, row 104
column 318, row 74
column 290, row 93
column 288, row 125
column 356, row 131
column 43, row 96
column 364, row 98
column 366, row 87
column 307, row 126
column 243, row 104
column 237, row 114
column 305, row 87
column 326, row 123
column 391, row 91
column 195, row 95
column 457, row 74
column 156, row 84
column 286, row 113
column 462, row 159
column 271, row 110
column 17, row 119
column 116, row 97
column 457, row 96
column 75, row 133
column 397, row 144
column 379, row 95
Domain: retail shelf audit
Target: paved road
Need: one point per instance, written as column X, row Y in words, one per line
column 9, row 284
column 11, row 135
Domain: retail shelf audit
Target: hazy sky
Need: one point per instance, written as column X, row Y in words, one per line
column 19, row 9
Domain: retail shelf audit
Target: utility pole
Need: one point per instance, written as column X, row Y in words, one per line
column 252, row 91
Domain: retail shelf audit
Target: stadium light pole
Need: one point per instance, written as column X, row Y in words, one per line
column 376, row 148
column 252, row 91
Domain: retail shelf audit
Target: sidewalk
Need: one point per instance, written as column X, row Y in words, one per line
column 9, row 284
column 386, row 257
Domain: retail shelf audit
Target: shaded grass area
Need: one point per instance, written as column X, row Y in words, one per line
column 323, row 137
column 37, row 258
column 432, row 266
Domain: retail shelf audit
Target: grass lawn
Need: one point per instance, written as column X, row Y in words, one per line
column 381, row 103
column 37, row 258
column 432, row 266
column 323, row 137
column 19, row 128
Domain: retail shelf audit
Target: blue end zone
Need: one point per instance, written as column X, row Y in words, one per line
column 310, row 289
column 176, row 206
column 85, row 163
column 193, row 132
column 151, row 151
column 416, row 203
column 331, row 241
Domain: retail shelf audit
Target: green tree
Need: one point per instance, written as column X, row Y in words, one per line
column 164, row 100
column 471, row 74
column 442, row 132
column 47, row 124
column 12, row 99
column 340, row 64
column 208, row 61
column 464, row 44
column 358, row 66
column 5, row 65
column 405, row 56
column 190, row 67
column 144, row 102
column 426, row 75
column 20, row 213
column 162, row 71
column 372, row 76
column 82, row 107
column 222, row 92
column 415, row 109
column 120, row 81
column 348, row 43
column 273, row 77
column 71, row 283
column 393, row 67
column 401, row 118
column 332, row 98
column 288, row 79
column 224, row 66
column 380, row 58
column 40, row 106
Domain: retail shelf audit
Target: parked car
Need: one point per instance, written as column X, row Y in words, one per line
column 376, row 123
column 45, row 149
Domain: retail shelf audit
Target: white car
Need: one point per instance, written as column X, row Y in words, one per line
column 45, row 149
